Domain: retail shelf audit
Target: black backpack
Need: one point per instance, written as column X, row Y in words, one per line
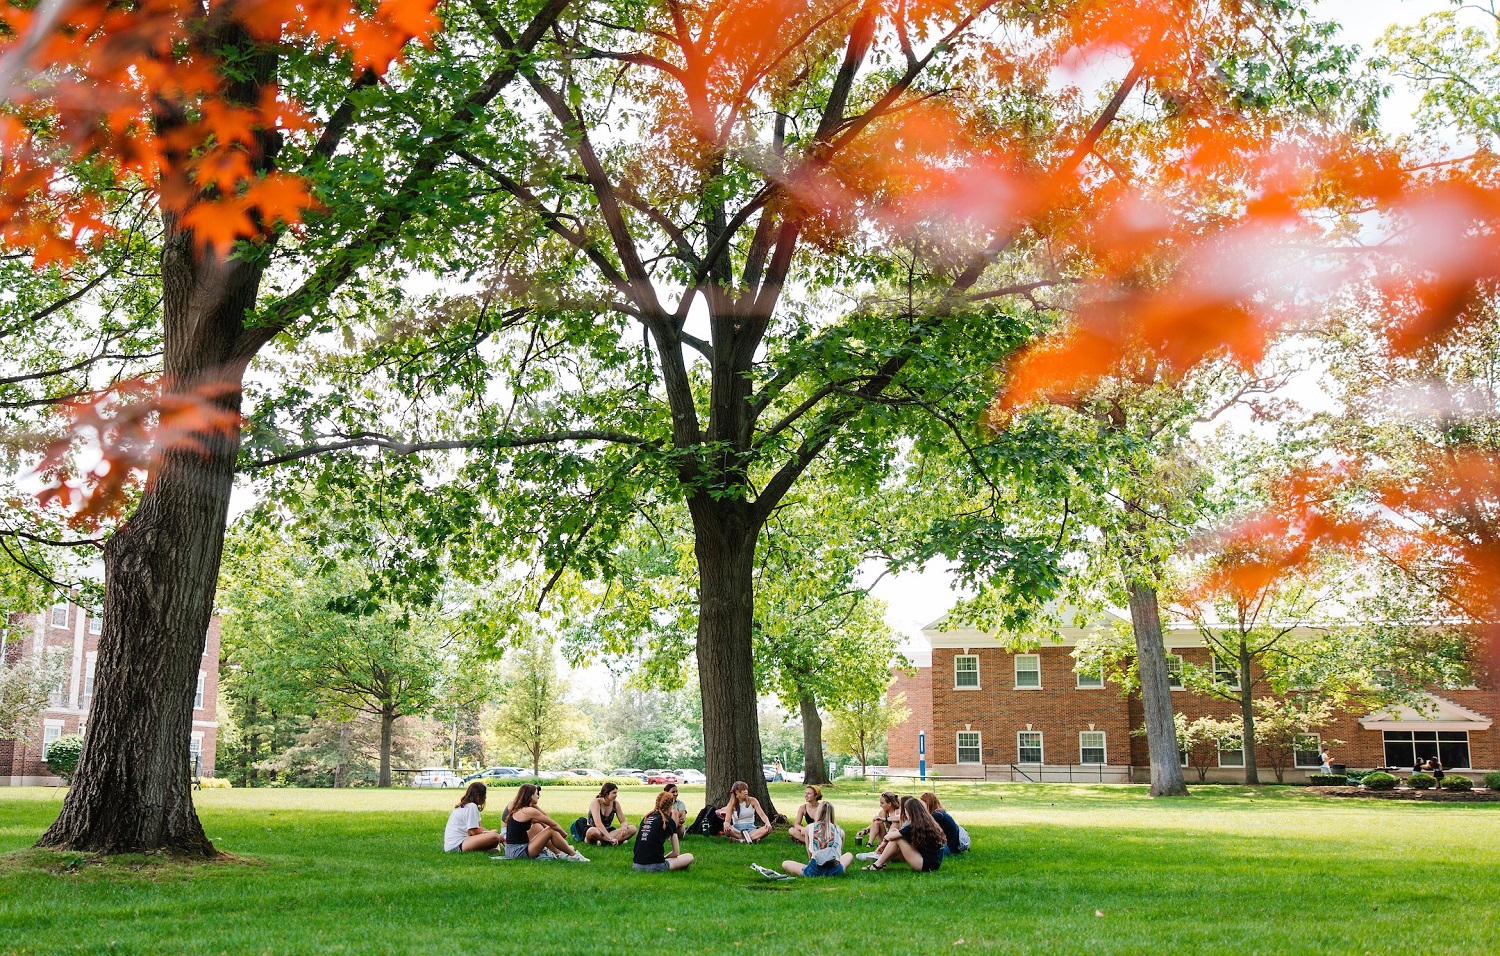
column 708, row 822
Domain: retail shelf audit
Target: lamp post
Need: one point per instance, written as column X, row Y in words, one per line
column 922, row 754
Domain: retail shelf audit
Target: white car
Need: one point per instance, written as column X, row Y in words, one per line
column 436, row 777
column 690, row 776
column 792, row 776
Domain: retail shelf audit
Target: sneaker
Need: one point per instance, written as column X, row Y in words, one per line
column 769, row 873
column 576, row 858
column 867, row 857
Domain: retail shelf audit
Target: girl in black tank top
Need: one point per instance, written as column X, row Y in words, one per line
column 517, row 831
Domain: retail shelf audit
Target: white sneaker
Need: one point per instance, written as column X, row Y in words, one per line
column 871, row 857
column 576, row 858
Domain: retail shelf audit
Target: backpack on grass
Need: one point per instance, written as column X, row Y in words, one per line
column 707, row 823
column 963, row 840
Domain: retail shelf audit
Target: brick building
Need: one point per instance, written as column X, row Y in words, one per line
column 1032, row 715
column 71, row 633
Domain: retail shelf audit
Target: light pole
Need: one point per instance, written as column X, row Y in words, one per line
column 922, row 754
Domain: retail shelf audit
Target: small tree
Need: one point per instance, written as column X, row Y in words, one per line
column 1201, row 739
column 858, row 723
column 1283, row 725
column 25, row 686
column 534, row 713
column 62, row 756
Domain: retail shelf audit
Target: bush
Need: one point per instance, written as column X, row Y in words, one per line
column 214, row 783
column 1492, row 780
column 62, row 758
column 1379, row 780
column 1327, row 779
column 1421, row 781
column 1457, row 783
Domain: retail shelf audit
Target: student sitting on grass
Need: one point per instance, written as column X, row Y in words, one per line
column 888, row 817
column 464, row 832
column 679, row 809
column 529, row 832
column 657, row 827
column 952, row 834
column 604, row 814
column 825, row 847
column 806, row 813
column 919, row 841
column 740, row 815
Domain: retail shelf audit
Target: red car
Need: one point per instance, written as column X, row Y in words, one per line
column 660, row 778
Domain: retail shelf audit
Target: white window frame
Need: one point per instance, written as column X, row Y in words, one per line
column 1034, row 657
column 957, row 684
column 86, row 696
column 1317, row 763
column 1233, row 750
column 96, row 623
column 1103, row 748
column 1182, row 757
column 1174, row 677
column 959, row 747
column 52, row 619
column 51, row 730
column 198, row 693
column 1226, row 673
column 1041, row 752
column 1093, row 670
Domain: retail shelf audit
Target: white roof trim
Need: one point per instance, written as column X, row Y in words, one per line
column 1442, row 714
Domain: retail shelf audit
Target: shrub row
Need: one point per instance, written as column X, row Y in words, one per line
column 1492, row 780
column 1421, row 781
column 1457, row 783
column 1327, row 779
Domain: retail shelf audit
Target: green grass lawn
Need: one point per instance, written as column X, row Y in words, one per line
column 1061, row 869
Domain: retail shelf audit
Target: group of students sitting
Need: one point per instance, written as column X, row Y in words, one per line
column 918, row 831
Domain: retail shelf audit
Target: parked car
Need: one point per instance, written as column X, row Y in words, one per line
column 495, row 773
column 690, row 776
column 660, row 778
column 628, row 772
column 584, row 772
column 436, row 777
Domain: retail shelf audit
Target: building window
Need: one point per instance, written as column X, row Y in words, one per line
column 60, row 615
column 1226, row 673
column 1232, row 753
column 1403, row 748
column 88, row 680
column 1308, row 752
column 196, row 751
column 1174, row 671
column 57, row 657
column 1029, row 746
column 969, row 750
column 51, row 730
column 96, row 623
column 1182, row 757
column 1091, row 746
column 966, row 672
column 1090, row 672
column 1028, row 670
column 198, row 694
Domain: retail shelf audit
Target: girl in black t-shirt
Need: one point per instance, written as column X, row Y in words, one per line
column 657, row 828
column 919, row 841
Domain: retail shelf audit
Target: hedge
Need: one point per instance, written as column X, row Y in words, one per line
column 1379, row 781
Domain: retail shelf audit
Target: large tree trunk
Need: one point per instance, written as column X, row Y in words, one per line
column 387, row 720
column 132, row 791
column 1156, row 692
column 1247, row 714
column 814, row 766
column 724, row 541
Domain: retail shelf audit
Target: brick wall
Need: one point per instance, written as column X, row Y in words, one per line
column 901, row 740
column 1059, row 709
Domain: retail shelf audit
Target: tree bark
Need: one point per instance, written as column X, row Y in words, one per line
column 814, row 766
column 1247, row 715
column 725, row 538
column 387, row 719
column 132, row 789
column 1156, row 691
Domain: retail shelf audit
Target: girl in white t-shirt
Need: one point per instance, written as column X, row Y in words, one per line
column 464, row 832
